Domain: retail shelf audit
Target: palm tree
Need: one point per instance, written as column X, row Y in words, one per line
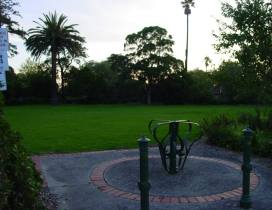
column 187, row 11
column 207, row 61
column 52, row 37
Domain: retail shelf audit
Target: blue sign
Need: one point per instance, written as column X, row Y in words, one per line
column 4, row 45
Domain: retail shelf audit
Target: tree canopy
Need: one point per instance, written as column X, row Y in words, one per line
column 186, row 5
column 7, row 14
column 150, row 56
column 248, row 37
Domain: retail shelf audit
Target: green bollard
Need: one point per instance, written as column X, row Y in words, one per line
column 245, row 201
column 144, row 185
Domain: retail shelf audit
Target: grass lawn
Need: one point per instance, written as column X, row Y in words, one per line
column 74, row 128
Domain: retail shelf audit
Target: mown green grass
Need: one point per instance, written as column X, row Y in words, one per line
column 75, row 128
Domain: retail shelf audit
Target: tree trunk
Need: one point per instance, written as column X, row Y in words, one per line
column 62, row 83
column 148, row 95
column 54, row 89
column 62, row 79
column 186, row 51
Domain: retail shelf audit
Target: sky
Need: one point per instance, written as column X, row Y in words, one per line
column 106, row 23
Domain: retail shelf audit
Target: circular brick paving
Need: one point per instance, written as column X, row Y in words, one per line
column 99, row 180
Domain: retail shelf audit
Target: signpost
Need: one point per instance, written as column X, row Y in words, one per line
column 3, row 58
column 3, row 82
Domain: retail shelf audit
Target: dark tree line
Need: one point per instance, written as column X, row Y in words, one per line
column 147, row 72
column 111, row 81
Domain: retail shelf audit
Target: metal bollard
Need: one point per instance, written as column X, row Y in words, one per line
column 144, row 184
column 245, row 201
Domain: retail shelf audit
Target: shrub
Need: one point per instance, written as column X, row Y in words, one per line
column 267, row 148
column 20, row 183
column 269, row 121
column 225, row 132
column 220, row 131
column 261, row 120
column 262, row 145
column 252, row 121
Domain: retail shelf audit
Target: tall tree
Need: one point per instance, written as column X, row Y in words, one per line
column 7, row 14
column 52, row 36
column 248, row 37
column 187, row 4
column 150, row 56
column 207, row 61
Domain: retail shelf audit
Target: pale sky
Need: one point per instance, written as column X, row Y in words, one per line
column 106, row 23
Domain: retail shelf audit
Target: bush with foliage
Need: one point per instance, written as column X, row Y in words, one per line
column 226, row 132
column 260, row 120
column 261, row 123
column 20, row 183
column 221, row 131
column 254, row 121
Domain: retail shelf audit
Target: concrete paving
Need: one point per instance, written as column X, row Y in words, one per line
column 68, row 177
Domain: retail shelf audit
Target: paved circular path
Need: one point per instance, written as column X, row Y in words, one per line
column 202, row 180
column 107, row 180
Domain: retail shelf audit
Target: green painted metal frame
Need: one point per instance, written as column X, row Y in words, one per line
column 174, row 150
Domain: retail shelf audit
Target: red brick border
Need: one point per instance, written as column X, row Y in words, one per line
column 97, row 178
